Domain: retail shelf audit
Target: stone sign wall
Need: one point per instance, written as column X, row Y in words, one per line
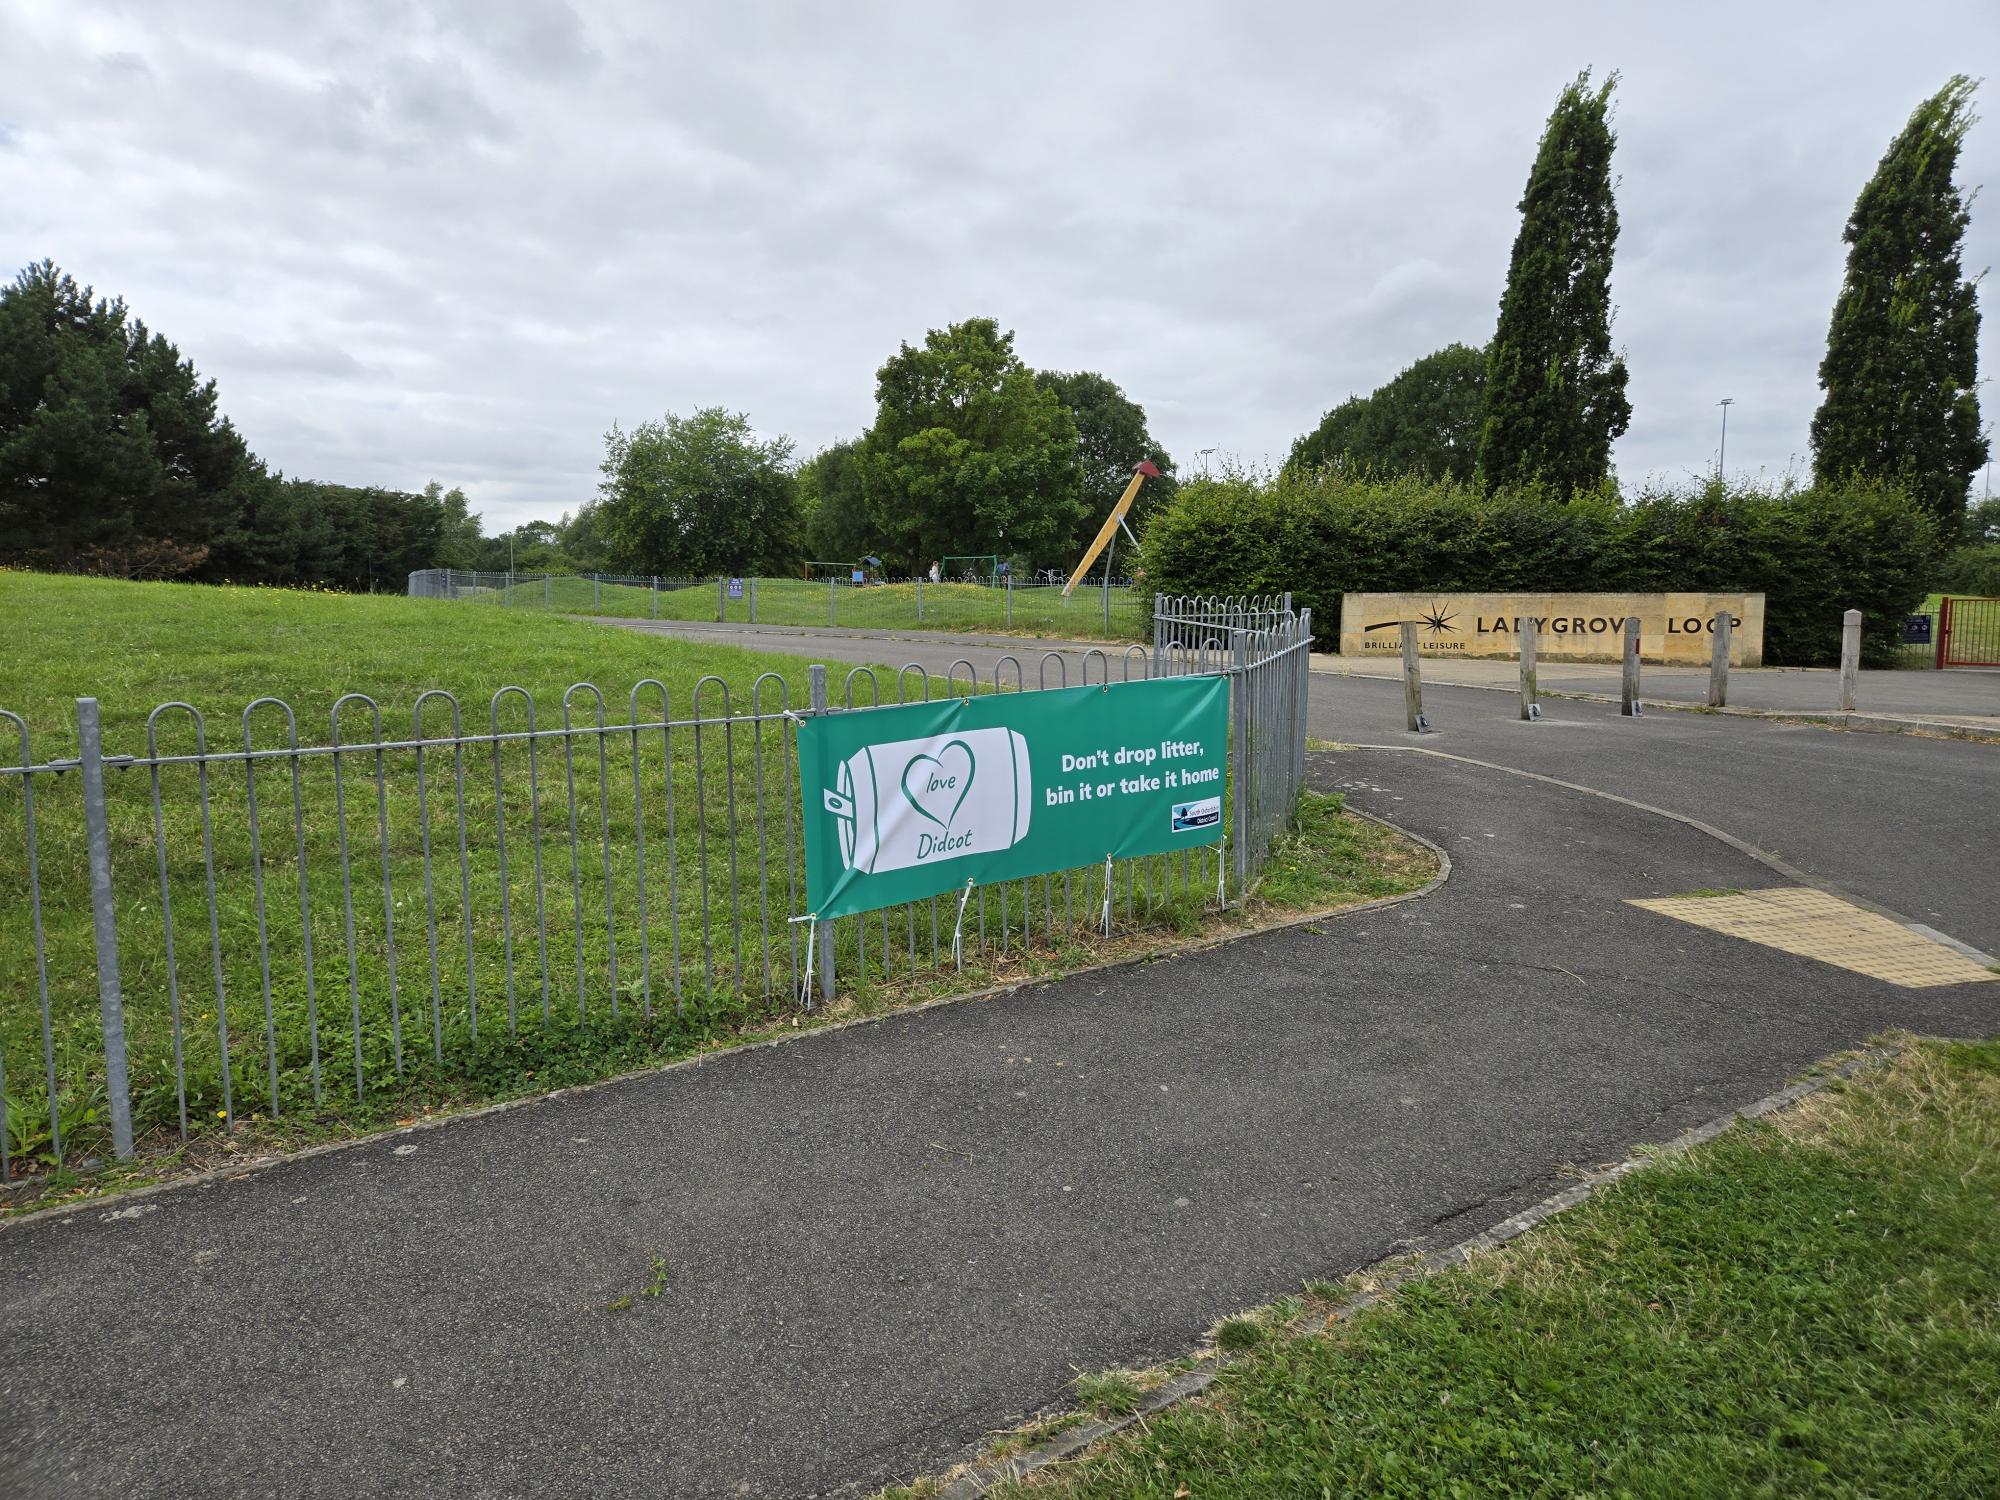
column 1571, row 627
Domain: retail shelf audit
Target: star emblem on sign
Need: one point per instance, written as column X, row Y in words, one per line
column 1437, row 622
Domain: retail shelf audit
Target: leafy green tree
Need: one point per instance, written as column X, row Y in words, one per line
column 1555, row 393
column 833, row 505
column 1901, row 371
column 968, row 454
column 1111, row 437
column 110, row 443
column 698, row 495
column 458, row 527
column 1426, row 421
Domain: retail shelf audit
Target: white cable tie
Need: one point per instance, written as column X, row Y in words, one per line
column 811, row 919
column 958, row 932
column 1221, row 865
column 1107, row 895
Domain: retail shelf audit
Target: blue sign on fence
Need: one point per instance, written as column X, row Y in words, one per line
column 736, row 588
column 1916, row 630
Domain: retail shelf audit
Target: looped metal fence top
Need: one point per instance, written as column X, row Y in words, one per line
column 449, row 889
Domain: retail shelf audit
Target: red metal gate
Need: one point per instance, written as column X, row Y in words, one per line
column 1968, row 632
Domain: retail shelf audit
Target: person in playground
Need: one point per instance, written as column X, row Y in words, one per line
column 937, row 570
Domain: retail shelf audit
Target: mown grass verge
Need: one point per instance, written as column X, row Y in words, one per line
column 1807, row 1305
column 1031, row 610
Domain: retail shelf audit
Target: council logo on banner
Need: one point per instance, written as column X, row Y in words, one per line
column 1189, row 816
column 922, row 802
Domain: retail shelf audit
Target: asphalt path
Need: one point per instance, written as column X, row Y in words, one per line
column 883, row 1242
column 1909, row 823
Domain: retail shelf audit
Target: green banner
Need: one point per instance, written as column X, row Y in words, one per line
column 907, row 802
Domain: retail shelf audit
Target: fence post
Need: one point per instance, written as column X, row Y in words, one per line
column 656, row 596
column 1718, row 660
column 1628, row 683
column 545, row 590
column 721, row 601
column 1413, row 682
column 816, row 679
column 832, row 609
column 1530, row 709
column 1850, row 658
column 597, row 593
column 752, row 586
column 1010, row 601
column 1239, row 705
column 104, row 919
column 920, row 601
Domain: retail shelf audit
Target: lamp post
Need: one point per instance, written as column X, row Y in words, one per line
column 1202, row 454
column 1722, row 452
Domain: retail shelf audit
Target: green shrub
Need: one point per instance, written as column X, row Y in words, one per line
column 1812, row 553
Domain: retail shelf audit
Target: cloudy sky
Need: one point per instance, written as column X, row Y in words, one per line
column 459, row 239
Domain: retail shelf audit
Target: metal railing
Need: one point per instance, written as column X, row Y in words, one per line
column 214, row 924
column 1116, row 611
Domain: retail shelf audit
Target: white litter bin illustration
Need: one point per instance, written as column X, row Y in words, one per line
column 922, row 802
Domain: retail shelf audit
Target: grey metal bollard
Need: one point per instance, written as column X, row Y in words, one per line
column 816, row 682
column 1413, row 681
column 1718, row 660
column 104, row 921
column 1628, row 683
column 1530, row 709
column 1850, row 658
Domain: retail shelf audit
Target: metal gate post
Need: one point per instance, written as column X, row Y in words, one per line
column 1718, row 660
column 1943, row 631
column 1628, row 681
column 1413, row 681
column 752, row 586
column 816, row 678
column 721, row 601
column 656, row 596
column 545, row 590
column 104, row 920
column 920, row 601
column 1850, row 658
column 832, row 609
column 1010, row 600
column 1239, row 703
column 1530, row 709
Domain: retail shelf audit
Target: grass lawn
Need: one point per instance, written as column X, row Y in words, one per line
column 1032, row 610
column 657, row 926
column 1808, row 1305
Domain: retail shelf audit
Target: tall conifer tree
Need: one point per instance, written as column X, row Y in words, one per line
column 1555, row 393
column 1902, row 354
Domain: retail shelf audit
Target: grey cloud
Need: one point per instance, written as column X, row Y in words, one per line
column 460, row 240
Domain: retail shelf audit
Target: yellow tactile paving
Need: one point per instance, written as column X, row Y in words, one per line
column 1812, row 924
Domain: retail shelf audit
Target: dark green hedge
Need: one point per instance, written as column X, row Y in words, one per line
column 1812, row 553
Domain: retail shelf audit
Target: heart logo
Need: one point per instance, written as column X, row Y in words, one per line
column 937, row 784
